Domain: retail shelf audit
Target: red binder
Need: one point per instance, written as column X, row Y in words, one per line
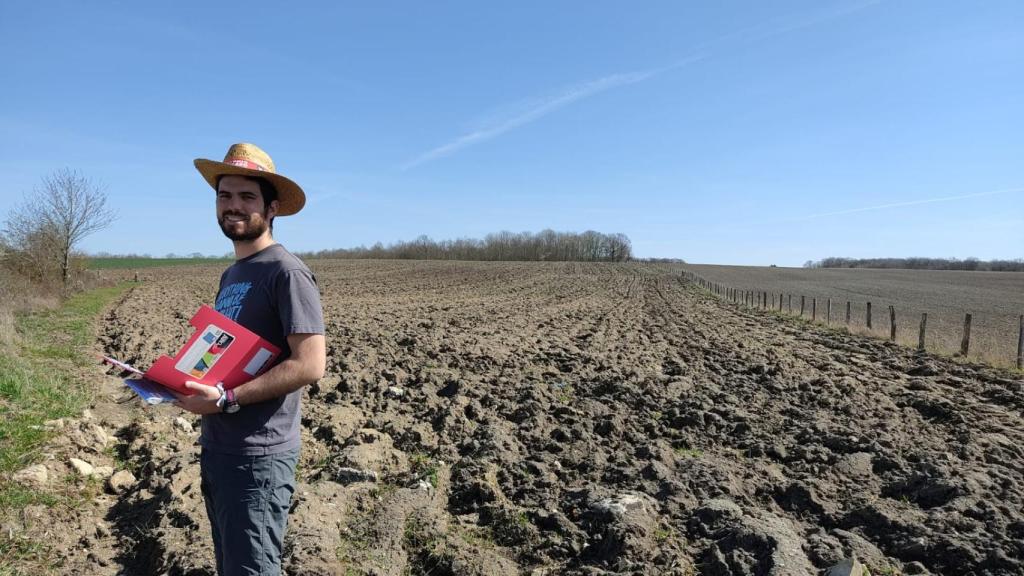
column 220, row 350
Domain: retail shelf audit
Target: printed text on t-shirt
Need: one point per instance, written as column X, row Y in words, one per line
column 229, row 301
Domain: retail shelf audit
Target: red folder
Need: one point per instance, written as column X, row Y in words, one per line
column 220, row 350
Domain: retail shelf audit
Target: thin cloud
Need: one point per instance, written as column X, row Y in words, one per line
column 574, row 94
column 579, row 92
column 908, row 203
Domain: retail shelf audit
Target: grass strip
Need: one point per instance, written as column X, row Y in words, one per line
column 40, row 380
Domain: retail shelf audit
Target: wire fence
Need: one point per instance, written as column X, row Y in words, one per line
column 840, row 313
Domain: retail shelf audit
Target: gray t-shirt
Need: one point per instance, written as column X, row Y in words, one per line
column 273, row 294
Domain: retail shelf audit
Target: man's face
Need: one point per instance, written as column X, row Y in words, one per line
column 240, row 210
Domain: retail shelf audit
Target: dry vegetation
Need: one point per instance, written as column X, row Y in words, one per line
column 542, row 418
column 994, row 299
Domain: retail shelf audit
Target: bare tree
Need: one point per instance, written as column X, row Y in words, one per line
column 52, row 222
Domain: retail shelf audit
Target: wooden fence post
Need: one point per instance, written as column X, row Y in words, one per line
column 814, row 309
column 892, row 323
column 869, row 315
column 847, row 312
column 920, row 333
column 1020, row 344
column 828, row 312
column 790, row 303
column 780, row 301
column 801, row 306
column 965, row 344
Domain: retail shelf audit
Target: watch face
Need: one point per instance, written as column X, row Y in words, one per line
column 232, row 408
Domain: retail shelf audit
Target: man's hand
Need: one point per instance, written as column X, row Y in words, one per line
column 204, row 401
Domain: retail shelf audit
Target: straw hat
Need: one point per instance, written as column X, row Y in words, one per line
column 249, row 160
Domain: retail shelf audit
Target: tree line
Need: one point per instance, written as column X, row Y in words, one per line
column 546, row 245
column 920, row 263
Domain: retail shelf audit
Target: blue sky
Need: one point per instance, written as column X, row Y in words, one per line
column 720, row 132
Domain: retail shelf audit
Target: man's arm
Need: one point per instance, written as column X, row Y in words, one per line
column 305, row 366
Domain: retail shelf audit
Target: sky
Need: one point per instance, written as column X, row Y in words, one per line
column 729, row 132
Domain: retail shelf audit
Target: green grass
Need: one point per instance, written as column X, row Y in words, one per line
column 123, row 263
column 424, row 467
column 25, row 549
column 685, row 452
column 40, row 381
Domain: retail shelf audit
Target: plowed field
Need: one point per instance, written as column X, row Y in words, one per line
column 541, row 418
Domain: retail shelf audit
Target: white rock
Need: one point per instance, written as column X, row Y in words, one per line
column 82, row 467
column 619, row 505
column 86, row 414
column 848, row 567
column 35, row 476
column 347, row 475
column 103, row 471
column 121, row 481
column 183, row 425
column 395, row 392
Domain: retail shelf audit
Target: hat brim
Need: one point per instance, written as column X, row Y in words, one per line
column 290, row 196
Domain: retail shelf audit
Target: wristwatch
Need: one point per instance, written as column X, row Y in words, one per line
column 227, row 402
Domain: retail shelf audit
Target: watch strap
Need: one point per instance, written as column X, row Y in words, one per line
column 223, row 400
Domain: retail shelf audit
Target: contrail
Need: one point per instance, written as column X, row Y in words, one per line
column 908, row 203
column 574, row 94
column 749, row 35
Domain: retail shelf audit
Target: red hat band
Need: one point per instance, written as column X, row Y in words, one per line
column 245, row 164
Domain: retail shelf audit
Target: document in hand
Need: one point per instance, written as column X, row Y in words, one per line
column 219, row 351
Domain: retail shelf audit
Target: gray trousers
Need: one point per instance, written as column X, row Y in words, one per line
column 247, row 500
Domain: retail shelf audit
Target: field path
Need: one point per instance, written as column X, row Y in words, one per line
column 553, row 418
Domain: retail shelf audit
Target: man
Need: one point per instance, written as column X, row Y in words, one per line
column 250, row 438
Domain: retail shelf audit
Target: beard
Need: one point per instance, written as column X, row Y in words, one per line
column 252, row 227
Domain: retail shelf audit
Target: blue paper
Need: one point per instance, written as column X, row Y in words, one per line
column 150, row 392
